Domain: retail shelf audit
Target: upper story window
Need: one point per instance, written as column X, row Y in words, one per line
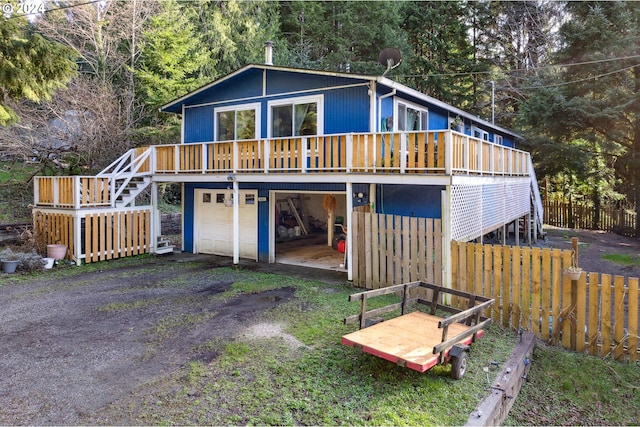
column 497, row 139
column 411, row 117
column 296, row 116
column 479, row 133
column 238, row 122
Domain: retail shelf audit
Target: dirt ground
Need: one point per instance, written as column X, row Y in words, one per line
column 592, row 245
column 70, row 348
column 66, row 352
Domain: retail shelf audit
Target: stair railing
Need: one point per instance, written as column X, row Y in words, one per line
column 537, row 200
column 122, row 170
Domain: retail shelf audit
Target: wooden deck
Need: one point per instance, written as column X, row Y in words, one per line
column 408, row 340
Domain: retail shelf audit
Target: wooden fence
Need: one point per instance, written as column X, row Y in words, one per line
column 597, row 313
column 96, row 236
column 391, row 249
column 580, row 215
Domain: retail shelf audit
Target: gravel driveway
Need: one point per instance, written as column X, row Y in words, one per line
column 70, row 345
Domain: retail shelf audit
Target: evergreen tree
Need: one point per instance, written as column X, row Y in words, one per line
column 172, row 55
column 235, row 32
column 31, row 67
column 344, row 36
column 442, row 62
column 601, row 55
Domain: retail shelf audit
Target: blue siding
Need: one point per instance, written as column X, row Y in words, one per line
column 409, row 200
column 242, row 86
column 438, row 120
column 198, row 124
column 286, row 82
column 346, row 110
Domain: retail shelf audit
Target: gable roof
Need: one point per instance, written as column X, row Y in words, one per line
column 175, row 106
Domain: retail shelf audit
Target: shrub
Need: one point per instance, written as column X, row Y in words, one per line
column 29, row 261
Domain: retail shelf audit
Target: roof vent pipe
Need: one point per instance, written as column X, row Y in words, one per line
column 268, row 53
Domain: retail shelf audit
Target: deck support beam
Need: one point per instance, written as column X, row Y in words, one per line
column 349, row 249
column 236, row 222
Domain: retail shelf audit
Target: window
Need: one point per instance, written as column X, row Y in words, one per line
column 479, row 133
column 206, row 197
column 237, row 123
column 497, row 139
column 296, row 117
column 411, row 117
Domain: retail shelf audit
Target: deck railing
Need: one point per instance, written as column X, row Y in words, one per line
column 443, row 152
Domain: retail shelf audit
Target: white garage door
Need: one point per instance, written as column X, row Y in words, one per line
column 213, row 231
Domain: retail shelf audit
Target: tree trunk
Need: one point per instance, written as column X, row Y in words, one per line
column 635, row 155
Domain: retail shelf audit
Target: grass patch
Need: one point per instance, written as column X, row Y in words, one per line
column 566, row 388
column 266, row 381
column 624, row 259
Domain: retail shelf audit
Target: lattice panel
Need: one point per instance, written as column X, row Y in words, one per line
column 476, row 209
column 466, row 209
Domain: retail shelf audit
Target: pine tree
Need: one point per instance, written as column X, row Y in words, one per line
column 31, row 67
column 172, row 55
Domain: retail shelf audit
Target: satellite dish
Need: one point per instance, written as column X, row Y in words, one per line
column 390, row 57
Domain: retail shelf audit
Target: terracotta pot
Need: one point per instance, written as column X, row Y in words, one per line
column 57, row 251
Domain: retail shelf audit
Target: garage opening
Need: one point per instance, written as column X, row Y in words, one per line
column 302, row 225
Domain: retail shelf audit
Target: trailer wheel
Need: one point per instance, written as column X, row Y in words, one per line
column 459, row 365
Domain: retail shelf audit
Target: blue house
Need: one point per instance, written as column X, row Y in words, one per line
column 270, row 155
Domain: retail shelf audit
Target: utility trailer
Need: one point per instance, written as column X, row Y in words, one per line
column 419, row 339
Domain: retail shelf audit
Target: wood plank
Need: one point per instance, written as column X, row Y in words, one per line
column 567, row 302
column 525, row 288
column 556, row 288
column 497, row 281
column 409, row 338
column 581, row 313
column 546, row 293
column 633, row 319
column 436, row 234
column 487, row 271
column 414, row 255
column 605, row 318
column 366, row 249
column 455, row 264
column 427, row 248
column 356, row 235
column 566, row 313
column 102, row 219
column 516, row 283
column 397, row 248
column 406, row 253
column 375, row 250
column 506, row 287
column 535, row 290
column 594, row 313
column 389, row 251
column 95, row 238
column 618, row 311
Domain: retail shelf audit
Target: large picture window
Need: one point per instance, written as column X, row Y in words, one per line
column 296, row 117
column 237, row 123
column 411, row 117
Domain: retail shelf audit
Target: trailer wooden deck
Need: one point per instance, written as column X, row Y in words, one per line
column 419, row 340
column 407, row 340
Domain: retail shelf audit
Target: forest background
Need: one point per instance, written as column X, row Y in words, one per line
column 81, row 81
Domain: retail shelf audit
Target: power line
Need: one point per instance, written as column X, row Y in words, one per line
column 476, row 73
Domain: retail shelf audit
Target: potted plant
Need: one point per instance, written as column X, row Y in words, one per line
column 457, row 124
column 573, row 272
column 10, row 261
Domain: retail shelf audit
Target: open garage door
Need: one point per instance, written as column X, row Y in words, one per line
column 213, row 222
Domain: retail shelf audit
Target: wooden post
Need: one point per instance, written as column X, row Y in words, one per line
column 574, row 297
